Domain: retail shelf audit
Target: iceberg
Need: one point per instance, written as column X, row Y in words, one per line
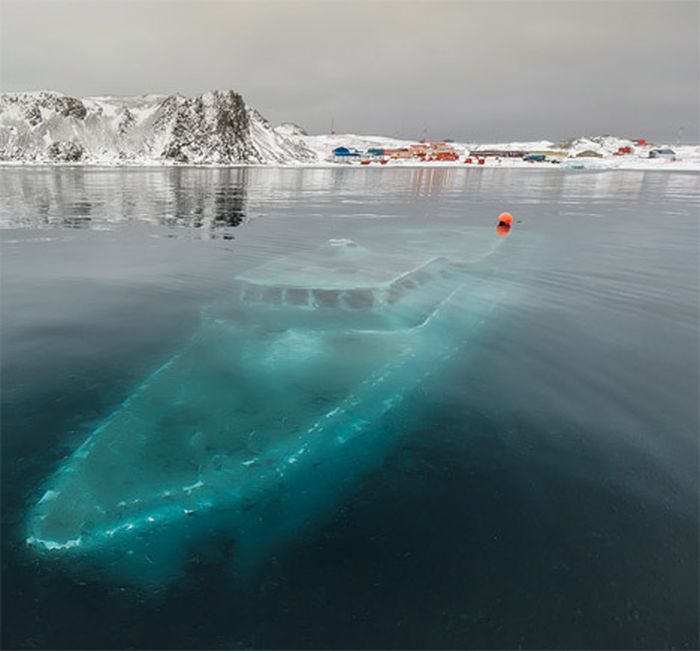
column 278, row 405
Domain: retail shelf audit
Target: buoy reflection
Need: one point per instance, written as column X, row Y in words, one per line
column 502, row 229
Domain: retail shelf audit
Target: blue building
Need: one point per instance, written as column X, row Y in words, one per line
column 344, row 152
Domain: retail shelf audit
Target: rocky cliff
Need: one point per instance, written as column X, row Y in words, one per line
column 214, row 128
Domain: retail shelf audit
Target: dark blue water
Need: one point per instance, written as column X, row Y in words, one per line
column 541, row 492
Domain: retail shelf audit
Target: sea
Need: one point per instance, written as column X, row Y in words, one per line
column 528, row 480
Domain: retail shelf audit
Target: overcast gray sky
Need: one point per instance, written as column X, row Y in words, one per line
column 480, row 70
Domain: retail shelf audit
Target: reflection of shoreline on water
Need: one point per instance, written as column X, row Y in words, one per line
column 208, row 199
column 427, row 182
column 215, row 200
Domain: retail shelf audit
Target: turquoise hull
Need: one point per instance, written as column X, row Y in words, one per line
column 274, row 410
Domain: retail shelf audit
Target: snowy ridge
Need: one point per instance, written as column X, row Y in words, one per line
column 213, row 128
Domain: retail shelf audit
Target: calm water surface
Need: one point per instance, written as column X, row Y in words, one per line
column 542, row 490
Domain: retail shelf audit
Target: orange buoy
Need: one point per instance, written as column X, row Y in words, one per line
column 505, row 218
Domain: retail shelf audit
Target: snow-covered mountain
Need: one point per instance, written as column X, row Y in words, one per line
column 213, row 128
column 219, row 128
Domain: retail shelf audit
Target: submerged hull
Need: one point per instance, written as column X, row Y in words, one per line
column 274, row 408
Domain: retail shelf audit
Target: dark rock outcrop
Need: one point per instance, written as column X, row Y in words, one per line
column 65, row 152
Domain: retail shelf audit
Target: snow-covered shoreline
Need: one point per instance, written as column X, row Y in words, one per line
column 217, row 129
column 631, row 166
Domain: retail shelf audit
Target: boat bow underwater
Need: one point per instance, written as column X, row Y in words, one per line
column 276, row 407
